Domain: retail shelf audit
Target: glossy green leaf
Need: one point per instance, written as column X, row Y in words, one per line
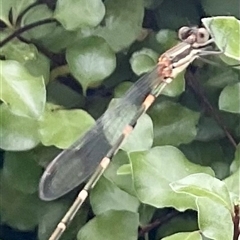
column 121, row 89
column 226, row 34
column 125, row 169
column 17, row 209
column 233, row 186
column 214, row 219
column 185, row 236
column 122, row 23
column 62, row 95
column 74, row 14
column 166, row 38
column 221, row 8
column 124, row 182
column 20, row 6
column 117, row 225
column 231, row 180
column 17, row 133
column 35, row 14
column 229, row 99
column 19, row 51
column 23, row 93
column 155, row 169
column 15, row 6
column 60, row 127
column 39, row 66
column 107, row 196
column 223, row 78
column 170, row 121
column 22, row 171
column 58, row 46
column 204, row 185
column 144, row 60
column 142, row 136
column 5, row 10
column 176, row 87
column 236, row 161
column 90, row 61
column 209, row 130
column 175, row 14
column 203, row 153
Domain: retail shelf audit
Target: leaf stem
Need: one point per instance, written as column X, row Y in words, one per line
column 19, row 31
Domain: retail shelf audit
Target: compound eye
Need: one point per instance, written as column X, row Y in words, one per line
column 202, row 35
column 183, row 33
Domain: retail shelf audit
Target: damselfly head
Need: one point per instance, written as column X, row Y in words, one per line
column 193, row 34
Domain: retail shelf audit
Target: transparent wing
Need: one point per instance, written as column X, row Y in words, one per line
column 75, row 164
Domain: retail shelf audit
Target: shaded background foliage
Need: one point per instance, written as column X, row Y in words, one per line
column 65, row 61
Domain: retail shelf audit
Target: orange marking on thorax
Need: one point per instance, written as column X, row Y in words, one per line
column 164, row 67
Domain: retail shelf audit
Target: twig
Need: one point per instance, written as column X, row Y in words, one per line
column 157, row 223
column 199, row 91
column 19, row 31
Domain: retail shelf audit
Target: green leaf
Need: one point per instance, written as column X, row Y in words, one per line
column 203, row 153
column 58, row 46
column 124, row 182
column 229, row 98
column 121, row 89
column 15, row 6
column 17, row 209
column 142, row 136
column 6, row 6
column 19, row 51
column 155, row 169
column 20, row 6
column 203, row 185
column 61, row 127
column 170, row 121
column 166, row 38
column 144, row 60
column 21, row 171
column 122, row 23
column 111, row 225
column 35, row 14
column 74, row 14
column 90, row 61
column 236, row 161
column 226, row 34
column 185, row 236
column 221, row 8
column 208, row 130
column 223, row 78
column 125, row 169
column 24, row 94
column 215, row 220
column 175, row 14
column 176, row 87
column 17, row 133
column 107, row 196
column 39, row 66
column 60, row 94
column 234, row 188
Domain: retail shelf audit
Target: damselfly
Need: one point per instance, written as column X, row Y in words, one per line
column 91, row 154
